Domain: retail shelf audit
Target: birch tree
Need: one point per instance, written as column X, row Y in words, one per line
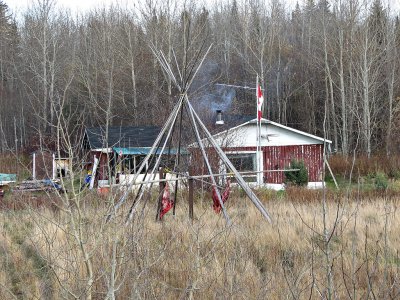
column 392, row 73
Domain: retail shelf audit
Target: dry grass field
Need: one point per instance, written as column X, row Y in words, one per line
column 71, row 252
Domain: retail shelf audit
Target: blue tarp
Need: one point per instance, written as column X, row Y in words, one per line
column 145, row 151
column 53, row 184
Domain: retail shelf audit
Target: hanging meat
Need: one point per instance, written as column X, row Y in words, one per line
column 224, row 196
column 166, row 203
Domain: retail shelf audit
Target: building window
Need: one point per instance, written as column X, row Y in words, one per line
column 243, row 161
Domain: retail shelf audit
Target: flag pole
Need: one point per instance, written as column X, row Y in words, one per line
column 258, row 134
column 260, row 101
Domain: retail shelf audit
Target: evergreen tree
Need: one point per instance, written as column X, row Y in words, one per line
column 324, row 6
column 377, row 22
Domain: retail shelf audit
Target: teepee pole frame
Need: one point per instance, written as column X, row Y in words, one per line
column 197, row 124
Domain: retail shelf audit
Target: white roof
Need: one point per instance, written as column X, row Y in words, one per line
column 265, row 121
column 274, row 135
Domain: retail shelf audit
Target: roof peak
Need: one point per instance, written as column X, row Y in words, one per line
column 266, row 121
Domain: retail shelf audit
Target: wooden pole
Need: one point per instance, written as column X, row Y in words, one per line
column 330, row 171
column 177, row 162
column 191, row 199
column 160, row 196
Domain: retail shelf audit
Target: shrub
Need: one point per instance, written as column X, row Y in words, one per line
column 381, row 181
column 394, row 173
column 299, row 177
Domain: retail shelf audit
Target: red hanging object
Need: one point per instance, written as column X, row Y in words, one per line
column 224, row 196
column 166, row 203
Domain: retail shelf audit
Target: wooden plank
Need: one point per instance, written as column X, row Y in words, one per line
column 94, row 170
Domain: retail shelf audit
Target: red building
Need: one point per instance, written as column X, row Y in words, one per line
column 279, row 146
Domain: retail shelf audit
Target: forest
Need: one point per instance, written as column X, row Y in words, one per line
column 330, row 68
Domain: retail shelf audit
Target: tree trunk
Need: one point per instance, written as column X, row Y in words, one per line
column 366, row 117
column 44, row 79
column 344, row 111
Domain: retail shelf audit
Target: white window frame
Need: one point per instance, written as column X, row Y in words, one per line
column 223, row 168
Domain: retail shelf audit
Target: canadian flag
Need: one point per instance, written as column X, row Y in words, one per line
column 260, row 101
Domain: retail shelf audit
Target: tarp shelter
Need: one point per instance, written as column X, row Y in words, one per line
column 123, row 149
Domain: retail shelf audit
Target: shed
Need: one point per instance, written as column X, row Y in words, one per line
column 45, row 164
column 121, row 153
column 279, row 145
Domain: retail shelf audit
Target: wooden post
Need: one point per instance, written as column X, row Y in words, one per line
column 34, row 166
column 190, row 181
column 54, row 167
column 160, row 196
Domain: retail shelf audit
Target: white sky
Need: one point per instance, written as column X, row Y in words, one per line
column 18, row 6
column 73, row 5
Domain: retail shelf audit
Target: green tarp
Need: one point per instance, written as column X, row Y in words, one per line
column 145, row 151
column 8, row 177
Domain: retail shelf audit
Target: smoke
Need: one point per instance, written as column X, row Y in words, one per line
column 205, row 95
column 222, row 98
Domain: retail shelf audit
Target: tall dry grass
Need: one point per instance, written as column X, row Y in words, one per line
column 173, row 259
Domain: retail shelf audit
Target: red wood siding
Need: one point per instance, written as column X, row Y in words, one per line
column 44, row 165
column 103, row 166
column 279, row 157
column 198, row 166
column 274, row 157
